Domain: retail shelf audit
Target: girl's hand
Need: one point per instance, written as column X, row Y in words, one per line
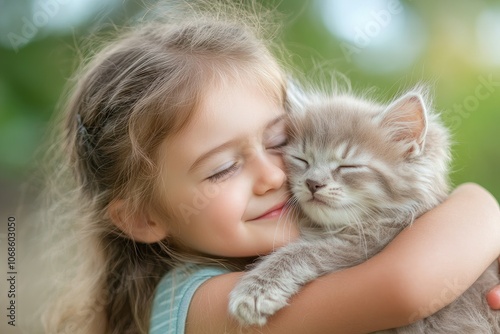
column 493, row 296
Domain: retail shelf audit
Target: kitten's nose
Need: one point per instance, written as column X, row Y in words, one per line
column 314, row 185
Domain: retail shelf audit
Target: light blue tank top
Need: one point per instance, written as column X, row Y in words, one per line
column 173, row 296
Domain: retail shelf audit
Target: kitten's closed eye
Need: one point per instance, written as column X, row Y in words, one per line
column 350, row 168
column 302, row 162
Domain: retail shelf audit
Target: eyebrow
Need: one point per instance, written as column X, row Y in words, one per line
column 229, row 143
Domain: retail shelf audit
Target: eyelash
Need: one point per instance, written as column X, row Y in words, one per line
column 278, row 146
column 223, row 173
column 220, row 175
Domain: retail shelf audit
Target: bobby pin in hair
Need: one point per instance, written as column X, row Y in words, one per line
column 83, row 133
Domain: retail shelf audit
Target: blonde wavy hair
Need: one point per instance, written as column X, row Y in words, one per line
column 127, row 98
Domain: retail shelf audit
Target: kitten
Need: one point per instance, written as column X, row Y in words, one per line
column 360, row 173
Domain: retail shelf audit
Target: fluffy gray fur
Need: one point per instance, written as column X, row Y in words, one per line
column 360, row 172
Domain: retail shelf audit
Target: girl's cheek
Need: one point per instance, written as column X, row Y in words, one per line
column 226, row 203
column 277, row 159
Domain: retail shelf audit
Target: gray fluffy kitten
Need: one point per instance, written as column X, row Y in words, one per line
column 360, row 172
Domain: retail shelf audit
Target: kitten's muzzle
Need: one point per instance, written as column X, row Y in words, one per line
column 314, row 185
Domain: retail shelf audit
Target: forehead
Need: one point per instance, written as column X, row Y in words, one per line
column 341, row 128
column 226, row 112
column 331, row 121
column 232, row 111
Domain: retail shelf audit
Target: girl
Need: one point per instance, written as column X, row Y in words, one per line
column 173, row 134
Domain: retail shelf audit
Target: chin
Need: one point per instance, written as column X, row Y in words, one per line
column 328, row 216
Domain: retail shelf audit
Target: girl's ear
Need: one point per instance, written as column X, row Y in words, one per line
column 407, row 120
column 138, row 226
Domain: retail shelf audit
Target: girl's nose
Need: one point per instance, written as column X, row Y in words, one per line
column 269, row 174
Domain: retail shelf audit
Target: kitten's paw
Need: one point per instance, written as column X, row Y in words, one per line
column 251, row 304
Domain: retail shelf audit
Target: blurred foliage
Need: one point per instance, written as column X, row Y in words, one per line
column 450, row 38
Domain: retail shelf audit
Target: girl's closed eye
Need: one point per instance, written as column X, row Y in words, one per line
column 277, row 138
column 224, row 173
column 277, row 142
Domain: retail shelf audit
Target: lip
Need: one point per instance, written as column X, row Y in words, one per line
column 273, row 212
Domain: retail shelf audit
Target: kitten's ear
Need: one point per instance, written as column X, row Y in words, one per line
column 296, row 98
column 407, row 119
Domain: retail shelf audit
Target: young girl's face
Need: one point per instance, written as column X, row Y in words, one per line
column 224, row 179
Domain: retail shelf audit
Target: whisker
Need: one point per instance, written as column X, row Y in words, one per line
column 286, row 218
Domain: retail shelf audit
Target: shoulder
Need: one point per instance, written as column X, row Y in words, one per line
column 208, row 309
column 174, row 294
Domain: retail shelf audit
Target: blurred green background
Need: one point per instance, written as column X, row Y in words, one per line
column 384, row 46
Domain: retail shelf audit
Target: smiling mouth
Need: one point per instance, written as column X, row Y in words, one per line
column 274, row 212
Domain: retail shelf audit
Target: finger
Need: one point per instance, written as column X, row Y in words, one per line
column 493, row 298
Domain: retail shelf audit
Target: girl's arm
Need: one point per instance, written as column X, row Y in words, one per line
column 422, row 270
